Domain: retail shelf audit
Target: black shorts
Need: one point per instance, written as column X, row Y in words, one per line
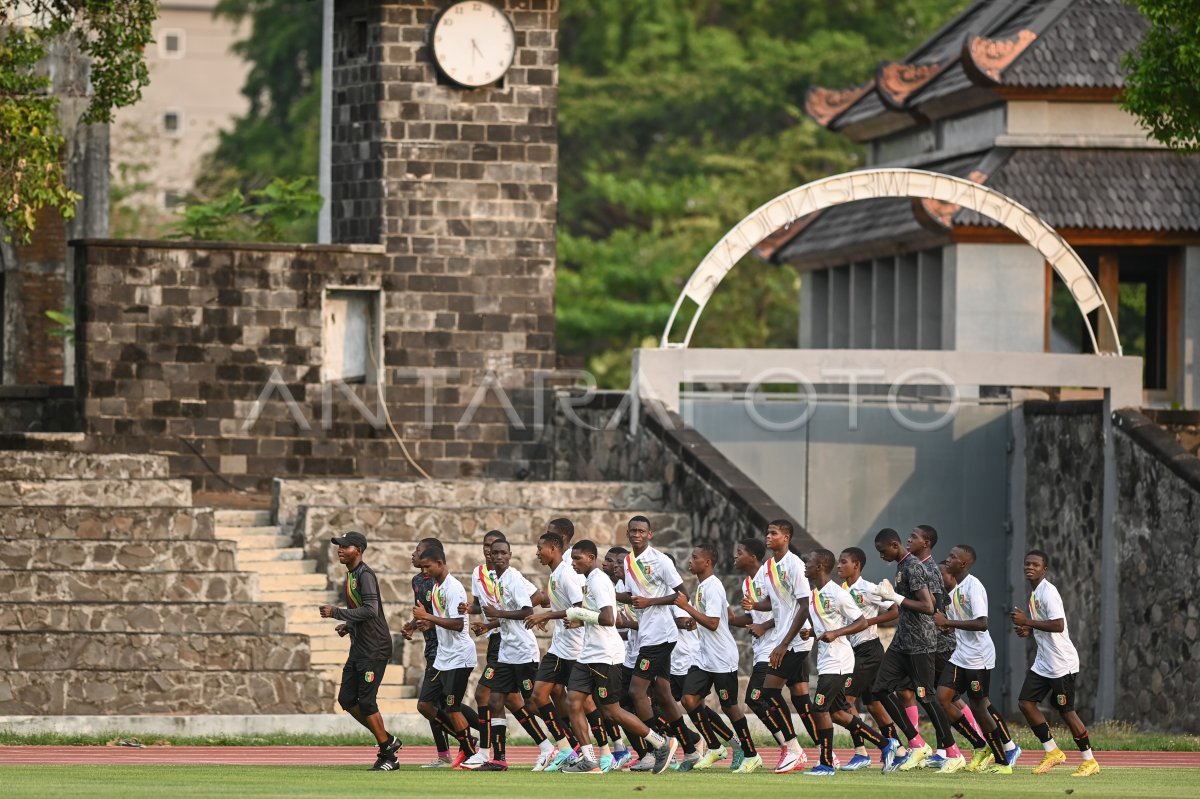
column 445, row 688
column 867, row 657
column 654, row 661
column 554, row 669
column 600, row 680
column 941, row 661
column 1061, row 690
column 972, row 682
column 793, row 669
column 699, row 682
column 626, row 697
column 509, row 678
column 677, row 681
column 360, row 683
column 754, row 687
column 493, row 649
column 904, row 670
column 831, row 693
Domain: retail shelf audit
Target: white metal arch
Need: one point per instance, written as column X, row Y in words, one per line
column 897, row 182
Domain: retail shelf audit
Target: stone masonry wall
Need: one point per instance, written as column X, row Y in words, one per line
column 1157, row 538
column 178, row 343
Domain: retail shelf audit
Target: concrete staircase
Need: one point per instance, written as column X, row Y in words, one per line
column 287, row 577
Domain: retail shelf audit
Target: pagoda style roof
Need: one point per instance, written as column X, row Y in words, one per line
column 1145, row 191
column 993, row 48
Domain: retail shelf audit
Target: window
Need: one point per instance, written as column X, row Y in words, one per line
column 172, row 122
column 170, row 43
column 172, row 198
column 351, row 342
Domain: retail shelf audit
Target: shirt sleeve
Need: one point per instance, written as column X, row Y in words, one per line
column 797, row 580
column 368, row 589
column 573, row 587
column 918, row 578
column 714, row 600
column 979, row 600
column 1052, row 607
column 456, row 596
column 848, row 607
column 667, row 573
column 520, row 591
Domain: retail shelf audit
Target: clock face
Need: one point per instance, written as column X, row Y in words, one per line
column 474, row 43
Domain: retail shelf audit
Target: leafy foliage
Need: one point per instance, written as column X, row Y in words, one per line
column 112, row 35
column 679, row 117
column 1162, row 87
column 273, row 214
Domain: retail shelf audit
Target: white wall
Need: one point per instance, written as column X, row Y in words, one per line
column 994, row 298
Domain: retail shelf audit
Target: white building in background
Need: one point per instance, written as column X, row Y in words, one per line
column 194, row 92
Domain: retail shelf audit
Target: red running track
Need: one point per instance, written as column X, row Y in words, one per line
column 358, row 756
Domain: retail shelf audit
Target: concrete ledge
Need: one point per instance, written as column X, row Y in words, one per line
column 1160, row 443
column 111, row 493
column 177, row 617
column 159, row 652
column 130, row 523
column 124, row 586
column 81, row 466
column 147, row 555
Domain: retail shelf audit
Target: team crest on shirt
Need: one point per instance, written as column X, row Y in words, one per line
column 755, row 694
column 488, row 673
column 527, row 685
column 644, row 664
column 899, row 577
column 921, row 691
column 369, row 677
column 428, row 596
column 975, row 686
column 603, row 692
column 1061, row 699
column 826, row 602
column 820, row 699
column 450, row 700
column 723, row 694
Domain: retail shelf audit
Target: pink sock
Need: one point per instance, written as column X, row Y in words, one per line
column 970, row 717
column 953, row 751
column 913, row 718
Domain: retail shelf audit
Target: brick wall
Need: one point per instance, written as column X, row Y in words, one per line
column 177, row 342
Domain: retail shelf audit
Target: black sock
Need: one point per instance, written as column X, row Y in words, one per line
column 967, row 731
column 804, row 711
column 861, row 732
column 500, row 741
column 551, row 718
column 639, row 745
column 529, row 723
column 716, row 723
column 613, row 730
column 783, row 716
column 597, row 725
column 941, row 724
column 1042, row 731
column 996, row 717
column 856, row 738
column 485, row 727
column 1083, row 742
column 742, row 726
column 888, row 731
column 899, row 718
column 465, row 744
column 681, row 731
column 438, row 729
column 710, row 737
column 997, row 747
column 468, row 714
column 825, row 742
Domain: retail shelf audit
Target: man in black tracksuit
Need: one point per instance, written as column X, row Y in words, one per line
column 370, row 646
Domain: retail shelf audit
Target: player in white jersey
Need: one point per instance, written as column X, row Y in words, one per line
column 868, row 650
column 835, row 617
column 652, row 582
column 787, row 599
column 563, row 591
column 969, row 671
column 484, row 591
column 1054, row 669
column 597, row 673
column 717, row 666
column 748, row 558
column 446, row 681
column 511, row 678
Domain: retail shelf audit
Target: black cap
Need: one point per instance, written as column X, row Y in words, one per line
column 351, row 539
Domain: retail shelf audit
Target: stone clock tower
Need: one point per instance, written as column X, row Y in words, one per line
column 459, row 185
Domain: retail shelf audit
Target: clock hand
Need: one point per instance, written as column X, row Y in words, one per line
column 475, row 49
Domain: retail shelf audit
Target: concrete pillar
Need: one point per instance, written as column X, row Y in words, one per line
column 860, row 305
column 883, row 304
column 907, row 292
column 1189, row 330
column 994, row 298
column 839, row 308
column 929, row 300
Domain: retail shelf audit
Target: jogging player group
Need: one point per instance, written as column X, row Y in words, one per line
column 633, row 657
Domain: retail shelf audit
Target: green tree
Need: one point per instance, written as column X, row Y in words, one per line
column 279, row 136
column 1162, row 87
column 677, row 118
column 112, row 35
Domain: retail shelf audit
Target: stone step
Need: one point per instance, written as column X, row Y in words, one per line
column 142, row 617
column 263, row 542
column 121, row 586
column 81, row 466
column 133, row 523
column 107, row 493
column 255, row 556
column 273, row 567
column 397, row 707
column 224, row 531
column 543, row 497
column 147, row 555
column 321, row 658
column 64, row 651
column 293, row 582
column 300, row 604
column 121, row 692
column 242, row 518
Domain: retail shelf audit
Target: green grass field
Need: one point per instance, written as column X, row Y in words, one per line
column 250, row 782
